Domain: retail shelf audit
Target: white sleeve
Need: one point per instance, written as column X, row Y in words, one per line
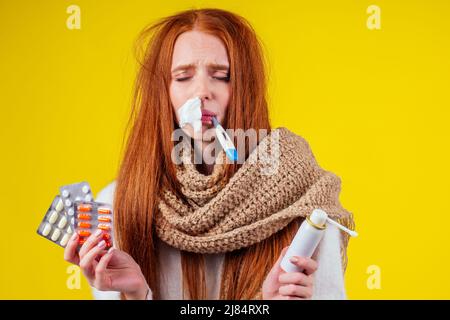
column 329, row 276
column 105, row 295
column 149, row 294
column 114, row 295
column 106, row 195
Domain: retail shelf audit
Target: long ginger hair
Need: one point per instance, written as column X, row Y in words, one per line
column 147, row 168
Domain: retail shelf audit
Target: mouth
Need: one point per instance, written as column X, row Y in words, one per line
column 207, row 116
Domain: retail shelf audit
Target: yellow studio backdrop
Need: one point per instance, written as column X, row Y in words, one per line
column 365, row 82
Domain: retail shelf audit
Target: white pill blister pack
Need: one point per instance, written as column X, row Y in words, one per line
column 56, row 225
column 75, row 192
column 58, row 222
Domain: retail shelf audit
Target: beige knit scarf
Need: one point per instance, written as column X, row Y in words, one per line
column 278, row 182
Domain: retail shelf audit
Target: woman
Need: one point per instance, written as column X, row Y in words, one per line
column 211, row 230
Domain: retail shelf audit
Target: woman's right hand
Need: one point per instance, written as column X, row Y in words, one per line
column 112, row 270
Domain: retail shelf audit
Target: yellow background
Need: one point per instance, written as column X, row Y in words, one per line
column 373, row 104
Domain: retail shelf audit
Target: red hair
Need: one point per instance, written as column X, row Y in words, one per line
column 147, row 167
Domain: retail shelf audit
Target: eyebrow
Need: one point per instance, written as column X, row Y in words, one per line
column 214, row 66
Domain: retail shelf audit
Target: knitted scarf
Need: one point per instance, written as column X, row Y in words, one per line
column 279, row 182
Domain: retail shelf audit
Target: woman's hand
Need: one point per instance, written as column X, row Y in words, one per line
column 112, row 270
column 281, row 285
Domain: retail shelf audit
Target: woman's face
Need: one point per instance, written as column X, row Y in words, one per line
column 200, row 68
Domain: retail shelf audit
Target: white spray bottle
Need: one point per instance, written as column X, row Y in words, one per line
column 308, row 237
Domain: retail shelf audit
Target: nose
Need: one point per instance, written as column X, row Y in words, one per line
column 202, row 90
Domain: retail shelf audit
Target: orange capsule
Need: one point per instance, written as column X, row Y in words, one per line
column 84, row 208
column 104, row 211
column 104, row 219
column 84, row 216
column 86, row 225
column 84, row 233
column 105, row 227
column 106, row 236
column 81, row 241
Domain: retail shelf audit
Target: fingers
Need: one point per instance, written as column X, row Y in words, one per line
column 70, row 252
column 297, row 278
column 308, row 265
column 291, row 285
column 100, row 271
column 296, row 284
column 296, row 290
column 104, row 261
column 88, row 263
column 90, row 243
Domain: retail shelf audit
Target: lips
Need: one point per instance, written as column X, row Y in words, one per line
column 208, row 113
column 207, row 116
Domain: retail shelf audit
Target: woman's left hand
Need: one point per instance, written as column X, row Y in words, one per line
column 281, row 285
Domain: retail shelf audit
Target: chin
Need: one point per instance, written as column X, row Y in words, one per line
column 208, row 133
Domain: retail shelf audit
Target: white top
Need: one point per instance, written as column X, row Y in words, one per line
column 329, row 277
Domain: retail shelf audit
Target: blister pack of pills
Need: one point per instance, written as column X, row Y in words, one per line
column 56, row 225
column 92, row 216
column 58, row 222
column 75, row 192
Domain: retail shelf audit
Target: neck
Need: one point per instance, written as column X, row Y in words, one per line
column 205, row 168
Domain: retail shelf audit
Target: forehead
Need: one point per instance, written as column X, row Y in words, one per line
column 194, row 47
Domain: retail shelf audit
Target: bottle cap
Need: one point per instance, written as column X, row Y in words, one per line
column 318, row 219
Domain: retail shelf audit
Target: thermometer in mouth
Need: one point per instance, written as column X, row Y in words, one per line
column 190, row 113
column 225, row 140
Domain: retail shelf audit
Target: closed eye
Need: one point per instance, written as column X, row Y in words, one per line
column 226, row 79
column 182, row 79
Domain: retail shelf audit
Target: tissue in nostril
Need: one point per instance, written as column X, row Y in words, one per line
column 190, row 113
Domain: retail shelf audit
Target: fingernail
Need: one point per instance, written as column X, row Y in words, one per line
column 294, row 259
column 98, row 233
column 101, row 244
column 74, row 236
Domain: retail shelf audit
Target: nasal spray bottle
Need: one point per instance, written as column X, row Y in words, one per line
column 308, row 237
